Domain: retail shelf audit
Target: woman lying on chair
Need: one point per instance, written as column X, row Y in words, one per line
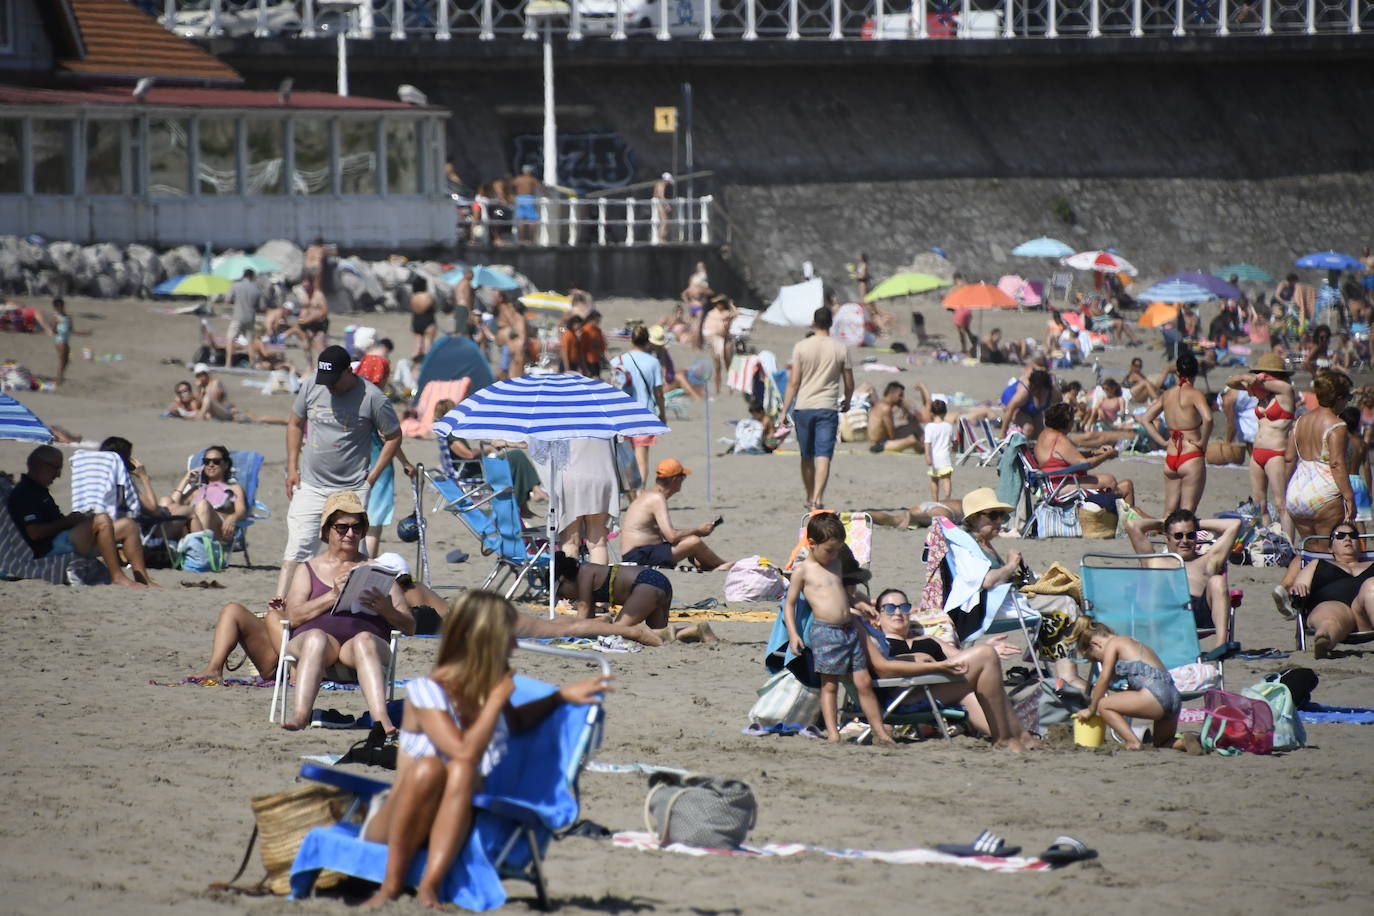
column 978, row 668
column 453, row 733
column 1054, row 452
column 206, row 499
column 1333, row 592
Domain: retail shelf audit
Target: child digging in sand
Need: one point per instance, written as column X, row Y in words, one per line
column 1150, row 692
column 835, row 640
column 453, row 733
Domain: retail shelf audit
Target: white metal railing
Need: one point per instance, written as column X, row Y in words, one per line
column 603, row 222
column 749, row 20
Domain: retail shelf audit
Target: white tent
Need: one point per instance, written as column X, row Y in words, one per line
column 796, row 305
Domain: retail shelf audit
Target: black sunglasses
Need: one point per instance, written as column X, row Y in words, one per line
column 345, row 527
column 1183, row 535
column 1343, row 535
column 215, row 460
column 904, row 608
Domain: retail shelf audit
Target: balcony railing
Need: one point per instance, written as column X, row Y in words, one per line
column 750, row 20
column 602, row 222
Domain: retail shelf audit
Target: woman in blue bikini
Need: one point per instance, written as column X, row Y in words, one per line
column 1024, row 402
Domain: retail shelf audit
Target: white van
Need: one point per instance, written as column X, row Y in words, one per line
column 685, row 17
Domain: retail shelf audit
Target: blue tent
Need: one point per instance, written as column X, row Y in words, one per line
column 454, row 358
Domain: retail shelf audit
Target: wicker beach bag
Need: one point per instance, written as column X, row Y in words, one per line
column 283, row 820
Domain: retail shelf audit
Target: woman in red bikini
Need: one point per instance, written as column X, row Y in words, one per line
column 1189, row 420
column 1269, row 384
column 1054, row 452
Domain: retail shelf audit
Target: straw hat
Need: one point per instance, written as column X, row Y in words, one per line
column 983, row 499
column 657, row 336
column 1273, row 364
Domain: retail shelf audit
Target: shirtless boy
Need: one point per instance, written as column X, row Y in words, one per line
column 890, row 427
column 648, row 535
column 1208, row 594
column 836, row 644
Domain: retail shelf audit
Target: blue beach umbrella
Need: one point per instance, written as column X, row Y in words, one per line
column 193, row 285
column 1215, row 285
column 551, row 408
column 1043, row 247
column 20, row 423
column 1176, row 291
column 482, row 275
column 1329, row 260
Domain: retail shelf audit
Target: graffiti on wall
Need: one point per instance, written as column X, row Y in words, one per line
column 587, row 161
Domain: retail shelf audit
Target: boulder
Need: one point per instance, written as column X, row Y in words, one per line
column 184, row 259
column 150, row 267
column 286, row 253
column 102, row 286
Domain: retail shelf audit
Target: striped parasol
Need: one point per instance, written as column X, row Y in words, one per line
column 1176, row 291
column 18, row 422
column 551, row 408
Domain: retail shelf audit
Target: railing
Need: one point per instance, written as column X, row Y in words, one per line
column 749, row 20
column 602, row 222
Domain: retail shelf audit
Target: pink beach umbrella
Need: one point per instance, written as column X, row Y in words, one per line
column 1019, row 289
column 1101, row 261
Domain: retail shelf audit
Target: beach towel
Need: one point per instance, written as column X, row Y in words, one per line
column 100, row 483
column 646, row 842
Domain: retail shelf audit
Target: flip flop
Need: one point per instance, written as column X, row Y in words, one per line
column 1222, row 652
column 1066, row 849
column 987, row 844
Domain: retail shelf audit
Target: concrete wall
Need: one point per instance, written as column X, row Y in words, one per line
column 1160, row 225
column 408, row 224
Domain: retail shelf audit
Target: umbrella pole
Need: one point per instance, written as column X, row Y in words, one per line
column 707, row 402
column 551, row 521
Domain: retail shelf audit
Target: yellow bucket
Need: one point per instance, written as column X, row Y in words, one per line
column 1090, row 733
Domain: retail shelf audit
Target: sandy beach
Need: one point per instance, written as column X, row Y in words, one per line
column 124, row 797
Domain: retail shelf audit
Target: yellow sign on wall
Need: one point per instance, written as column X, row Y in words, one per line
column 665, row 120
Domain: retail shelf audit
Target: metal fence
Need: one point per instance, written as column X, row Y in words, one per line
column 604, row 221
column 749, row 20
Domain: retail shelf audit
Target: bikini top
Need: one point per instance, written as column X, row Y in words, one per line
column 605, row 590
column 1273, row 411
column 1030, row 407
column 1054, row 462
column 1325, row 456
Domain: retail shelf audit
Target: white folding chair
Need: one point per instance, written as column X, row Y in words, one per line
column 993, row 446
column 335, row 672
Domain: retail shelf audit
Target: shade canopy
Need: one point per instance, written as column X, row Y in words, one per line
column 549, row 407
column 233, row 267
column 904, row 284
column 1043, row 247
column 796, row 305
column 979, row 296
column 20, row 423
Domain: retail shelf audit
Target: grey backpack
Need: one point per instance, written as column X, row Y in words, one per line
column 701, row 811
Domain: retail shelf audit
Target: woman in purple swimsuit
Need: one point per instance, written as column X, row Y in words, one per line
column 358, row 640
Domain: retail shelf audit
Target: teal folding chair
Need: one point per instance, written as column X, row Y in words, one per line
column 519, row 550
column 529, row 799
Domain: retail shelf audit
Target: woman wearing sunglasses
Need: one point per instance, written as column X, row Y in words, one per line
column 207, row 498
column 1208, row 591
column 977, row 668
column 1333, row 592
column 320, row 636
column 185, row 404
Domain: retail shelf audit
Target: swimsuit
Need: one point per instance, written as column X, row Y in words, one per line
column 1174, row 462
column 1332, row 583
column 1273, row 412
column 650, row 577
column 341, row 625
column 837, row 648
column 1157, row 683
column 924, row 645
column 1262, row 456
column 424, row 693
column 1031, row 408
column 62, row 333
column 1313, row 486
column 1201, row 607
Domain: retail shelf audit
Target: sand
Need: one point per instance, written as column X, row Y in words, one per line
column 122, row 797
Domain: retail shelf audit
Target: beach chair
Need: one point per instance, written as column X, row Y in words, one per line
column 1151, row 605
column 992, row 445
column 858, row 535
column 421, row 425
column 466, row 499
column 968, row 441
column 101, row 483
column 337, row 672
column 1311, row 555
column 519, row 550
column 675, row 402
column 954, row 569
column 894, row 693
column 1051, row 501
column 247, row 470
column 741, row 328
column 16, row 557
column 527, row 800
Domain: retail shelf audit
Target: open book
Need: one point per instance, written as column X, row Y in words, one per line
column 361, row 579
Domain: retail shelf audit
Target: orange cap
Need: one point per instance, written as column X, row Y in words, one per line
column 670, row 467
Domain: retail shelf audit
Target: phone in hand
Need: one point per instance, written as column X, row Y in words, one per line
column 717, row 523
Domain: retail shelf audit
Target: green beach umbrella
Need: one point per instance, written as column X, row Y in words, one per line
column 906, row 284
column 233, row 267
column 1248, row 273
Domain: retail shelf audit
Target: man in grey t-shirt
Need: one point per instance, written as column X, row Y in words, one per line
column 244, row 297
column 329, row 448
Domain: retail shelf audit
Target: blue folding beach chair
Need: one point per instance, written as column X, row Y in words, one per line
column 1151, row 605
column 519, row 550
column 529, row 799
column 466, row 498
column 247, row 468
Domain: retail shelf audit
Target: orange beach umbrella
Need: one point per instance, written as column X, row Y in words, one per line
column 1158, row 314
column 979, row 296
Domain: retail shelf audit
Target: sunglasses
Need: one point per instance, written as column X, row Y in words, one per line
column 1343, row 536
column 904, row 608
column 997, row 517
column 183, row 391
column 342, row 528
column 1183, row 535
column 214, row 460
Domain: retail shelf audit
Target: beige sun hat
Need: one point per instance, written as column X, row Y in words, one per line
column 983, row 499
column 1272, row 363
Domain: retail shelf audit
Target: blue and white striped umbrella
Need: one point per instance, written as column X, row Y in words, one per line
column 549, row 407
column 1176, row 291
column 18, row 422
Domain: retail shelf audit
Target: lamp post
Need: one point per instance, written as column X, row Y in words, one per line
column 340, row 37
column 547, row 11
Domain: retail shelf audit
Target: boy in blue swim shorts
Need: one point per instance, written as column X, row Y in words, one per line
column 837, row 645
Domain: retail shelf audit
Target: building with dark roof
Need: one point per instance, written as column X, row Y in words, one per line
column 114, row 129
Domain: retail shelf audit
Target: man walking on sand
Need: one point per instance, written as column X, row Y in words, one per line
column 245, row 297
column 48, row 532
column 648, row 535
column 819, row 365
column 342, row 411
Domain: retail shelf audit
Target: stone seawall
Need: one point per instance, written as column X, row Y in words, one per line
column 1160, row 225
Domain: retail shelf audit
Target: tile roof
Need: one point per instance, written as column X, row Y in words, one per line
column 160, row 96
column 123, row 42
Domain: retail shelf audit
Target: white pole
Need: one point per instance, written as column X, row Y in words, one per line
column 550, row 124
column 707, row 402
column 341, row 46
column 553, row 532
